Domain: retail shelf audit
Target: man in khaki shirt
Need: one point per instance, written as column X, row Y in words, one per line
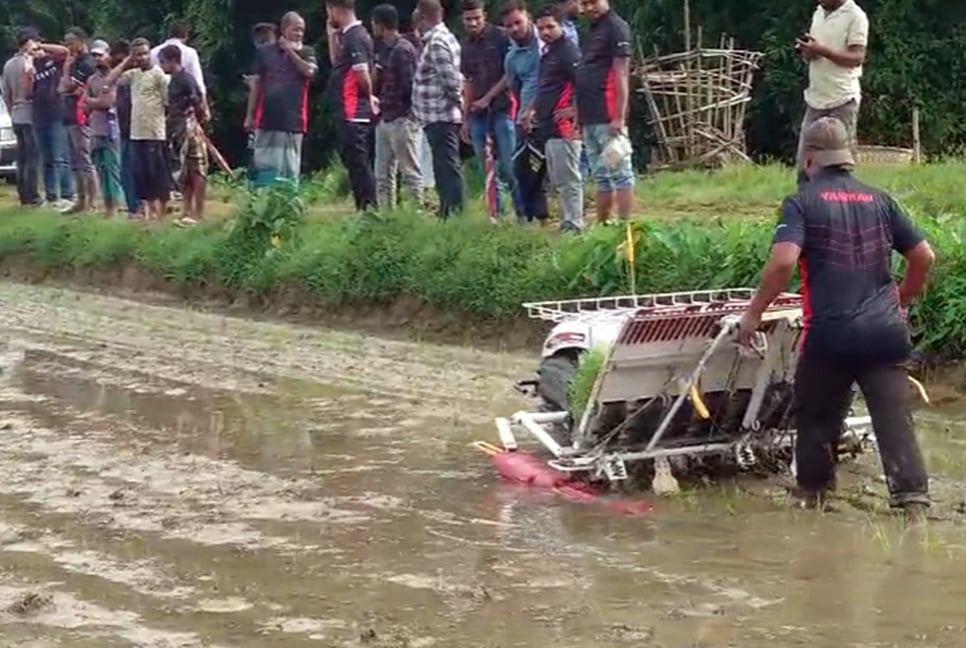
column 835, row 50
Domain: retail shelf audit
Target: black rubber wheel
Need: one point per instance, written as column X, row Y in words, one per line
column 555, row 374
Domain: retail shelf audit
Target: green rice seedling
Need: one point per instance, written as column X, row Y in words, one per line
column 583, row 381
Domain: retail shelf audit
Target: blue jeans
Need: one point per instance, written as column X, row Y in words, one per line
column 52, row 140
column 500, row 127
column 127, row 177
column 596, row 139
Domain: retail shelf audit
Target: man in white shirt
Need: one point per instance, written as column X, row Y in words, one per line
column 835, row 50
column 179, row 34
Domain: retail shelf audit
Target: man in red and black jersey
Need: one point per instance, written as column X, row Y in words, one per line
column 842, row 233
column 278, row 103
column 351, row 94
column 602, row 98
column 555, row 93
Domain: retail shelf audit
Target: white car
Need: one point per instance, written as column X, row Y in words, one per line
column 8, row 144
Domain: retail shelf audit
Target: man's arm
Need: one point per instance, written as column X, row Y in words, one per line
column 621, row 57
column 304, row 60
column 253, row 94
column 193, row 66
column 856, row 41
column 787, row 244
column 55, row 51
column 7, row 91
column 404, row 68
column 117, row 74
column 357, row 49
column 105, row 101
column 64, row 86
column 908, row 241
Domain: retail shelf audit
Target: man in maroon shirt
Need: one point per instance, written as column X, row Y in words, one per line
column 278, row 103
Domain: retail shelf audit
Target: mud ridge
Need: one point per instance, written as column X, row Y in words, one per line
column 403, row 318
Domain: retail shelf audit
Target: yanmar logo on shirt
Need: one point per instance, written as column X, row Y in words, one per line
column 847, row 197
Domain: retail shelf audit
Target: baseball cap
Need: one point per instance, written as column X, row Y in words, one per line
column 100, row 47
column 828, row 141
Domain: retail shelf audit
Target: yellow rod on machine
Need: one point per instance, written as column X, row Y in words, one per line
column 488, row 448
column 698, row 403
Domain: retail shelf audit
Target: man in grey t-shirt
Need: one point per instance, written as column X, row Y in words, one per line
column 17, row 91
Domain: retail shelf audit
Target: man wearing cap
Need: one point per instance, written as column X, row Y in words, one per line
column 834, row 48
column 842, row 233
column 100, row 105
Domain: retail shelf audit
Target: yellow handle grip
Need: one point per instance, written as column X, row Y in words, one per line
column 698, row 403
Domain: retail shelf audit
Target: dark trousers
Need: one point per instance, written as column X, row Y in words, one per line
column 444, row 143
column 28, row 164
column 530, row 169
column 823, row 390
column 353, row 140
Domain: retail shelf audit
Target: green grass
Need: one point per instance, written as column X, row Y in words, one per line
column 695, row 230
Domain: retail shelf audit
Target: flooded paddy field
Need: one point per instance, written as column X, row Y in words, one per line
column 179, row 479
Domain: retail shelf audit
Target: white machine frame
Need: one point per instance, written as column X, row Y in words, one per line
column 679, row 332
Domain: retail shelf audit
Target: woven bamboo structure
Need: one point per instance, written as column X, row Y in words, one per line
column 697, row 100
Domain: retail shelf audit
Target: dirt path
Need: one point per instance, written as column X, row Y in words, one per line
column 178, row 479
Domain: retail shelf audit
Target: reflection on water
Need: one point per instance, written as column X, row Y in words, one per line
column 364, row 518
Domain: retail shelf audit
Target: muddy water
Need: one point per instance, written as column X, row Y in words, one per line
column 170, row 478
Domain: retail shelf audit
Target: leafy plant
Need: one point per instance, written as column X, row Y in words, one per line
column 582, row 384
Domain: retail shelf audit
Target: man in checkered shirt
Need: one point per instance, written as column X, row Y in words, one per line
column 437, row 103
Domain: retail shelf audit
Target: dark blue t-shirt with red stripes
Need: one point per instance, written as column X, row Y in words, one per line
column 81, row 72
column 609, row 39
column 355, row 51
column 847, row 232
column 555, row 89
column 283, row 104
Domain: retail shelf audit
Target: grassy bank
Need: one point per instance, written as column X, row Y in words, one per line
column 697, row 230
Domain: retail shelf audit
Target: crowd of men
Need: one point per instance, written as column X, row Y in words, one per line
column 525, row 91
column 544, row 106
column 111, row 127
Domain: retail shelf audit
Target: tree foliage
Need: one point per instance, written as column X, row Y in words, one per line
column 917, row 56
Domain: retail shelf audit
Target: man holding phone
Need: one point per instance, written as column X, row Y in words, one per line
column 834, row 48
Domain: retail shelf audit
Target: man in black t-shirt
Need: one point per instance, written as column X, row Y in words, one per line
column 603, row 82
column 397, row 130
column 262, row 34
column 555, row 92
column 481, row 61
column 187, row 113
column 278, row 103
column 350, row 91
column 48, row 120
column 78, row 69
column 842, row 233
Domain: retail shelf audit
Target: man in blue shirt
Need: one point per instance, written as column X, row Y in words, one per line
column 570, row 9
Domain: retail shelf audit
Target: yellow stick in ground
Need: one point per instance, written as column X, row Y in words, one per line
column 629, row 253
column 920, row 389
